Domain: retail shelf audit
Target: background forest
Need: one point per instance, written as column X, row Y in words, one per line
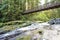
column 11, row 10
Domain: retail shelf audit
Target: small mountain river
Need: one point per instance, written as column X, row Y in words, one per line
column 27, row 31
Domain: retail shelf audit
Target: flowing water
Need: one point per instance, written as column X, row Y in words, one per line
column 49, row 31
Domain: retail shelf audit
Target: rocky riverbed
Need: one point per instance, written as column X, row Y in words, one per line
column 43, row 31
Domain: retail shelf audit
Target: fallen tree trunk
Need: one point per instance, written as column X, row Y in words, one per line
column 47, row 6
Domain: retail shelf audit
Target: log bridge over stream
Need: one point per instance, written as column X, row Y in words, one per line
column 43, row 7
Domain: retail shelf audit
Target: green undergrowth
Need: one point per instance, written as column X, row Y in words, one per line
column 9, row 26
column 15, row 23
column 20, row 23
column 12, row 25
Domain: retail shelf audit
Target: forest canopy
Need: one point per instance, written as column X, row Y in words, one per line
column 11, row 10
